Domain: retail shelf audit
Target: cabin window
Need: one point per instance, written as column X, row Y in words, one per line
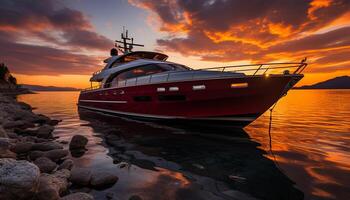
column 139, row 71
column 118, row 80
column 135, row 72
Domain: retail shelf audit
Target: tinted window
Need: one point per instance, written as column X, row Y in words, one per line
column 136, row 72
column 140, row 71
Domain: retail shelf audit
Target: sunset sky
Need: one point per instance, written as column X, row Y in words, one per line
column 62, row 42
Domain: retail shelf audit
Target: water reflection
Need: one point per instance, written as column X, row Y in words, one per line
column 199, row 162
column 311, row 140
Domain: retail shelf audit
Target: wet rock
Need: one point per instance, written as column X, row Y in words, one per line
column 62, row 141
column 18, row 179
column 67, row 164
column 109, row 195
column 123, row 165
column 101, row 179
column 145, row 164
column 45, row 131
column 33, row 155
column 3, row 133
column 80, row 176
column 4, row 149
column 7, row 154
column 46, row 146
column 41, row 119
column 4, row 143
column 77, row 153
column 53, row 185
column 23, row 115
column 199, row 166
column 45, row 165
column 22, row 147
column 78, row 196
column 56, row 154
column 13, row 124
column 135, row 197
column 24, row 106
column 54, row 122
column 12, row 135
column 78, row 142
column 112, row 137
column 27, row 131
column 85, row 189
column 237, row 178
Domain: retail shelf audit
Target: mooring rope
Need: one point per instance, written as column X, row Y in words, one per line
column 270, row 140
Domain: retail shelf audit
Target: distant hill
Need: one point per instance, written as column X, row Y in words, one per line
column 341, row 82
column 48, row 88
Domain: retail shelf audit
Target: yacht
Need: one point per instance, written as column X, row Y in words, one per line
column 145, row 86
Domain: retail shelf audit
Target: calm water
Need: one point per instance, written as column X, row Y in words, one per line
column 310, row 142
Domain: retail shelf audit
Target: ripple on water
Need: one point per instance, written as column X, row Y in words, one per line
column 311, row 141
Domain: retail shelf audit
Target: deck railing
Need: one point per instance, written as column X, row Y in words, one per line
column 248, row 70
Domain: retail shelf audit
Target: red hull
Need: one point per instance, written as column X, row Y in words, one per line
column 218, row 102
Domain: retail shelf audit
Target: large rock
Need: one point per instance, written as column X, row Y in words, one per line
column 27, row 131
column 53, row 185
column 24, row 106
column 25, row 116
column 22, row 147
column 13, row 124
column 46, row 146
column 80, row 176
column 78, row 142
column 4, row 149
column 7, row 154
column 41, row 119
column 4, row 143
column 54, row 122
column 78, row 196
column 45, row 165
column 18, row 179
column 45, row 131
column 33, row 155
column 101, row 179
column 3, row 133
column 56, row 154
column 67, row 164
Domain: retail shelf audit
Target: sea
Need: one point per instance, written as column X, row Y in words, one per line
column 300, row 149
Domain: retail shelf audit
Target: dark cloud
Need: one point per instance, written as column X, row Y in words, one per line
column 335, row 57
column 42, row 60
column 331, row 68
column 60, row 33
column 87, row 39
column 336, row 38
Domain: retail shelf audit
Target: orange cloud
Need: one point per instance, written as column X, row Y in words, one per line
column 260, row 31
column 317, row 4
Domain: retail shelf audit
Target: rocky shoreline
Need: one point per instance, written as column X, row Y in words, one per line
column 34, row 164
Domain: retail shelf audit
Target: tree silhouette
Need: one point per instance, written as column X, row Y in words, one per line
column 12, row 80
column 3, row 71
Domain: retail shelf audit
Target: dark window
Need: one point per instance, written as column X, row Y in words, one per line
column 142, row 98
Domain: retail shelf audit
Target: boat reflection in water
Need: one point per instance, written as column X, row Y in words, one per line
column 188, row 162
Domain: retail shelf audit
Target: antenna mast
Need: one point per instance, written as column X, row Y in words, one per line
column 125, row 46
